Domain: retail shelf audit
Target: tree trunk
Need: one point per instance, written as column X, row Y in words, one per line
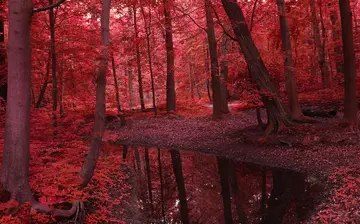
column 62, row 89
column 223, row 169
column 116, row 85
column 207, row 72
column 278, row 117
column 147, row 27
column 191, row 80
column 131, row 100
column 196, row 84
column 3, row 72
column 170, row 83
column 336, row 38
column 46, row 82
column 290, row 82
column 320, row 51
column 215, row 79
column 224, row 75
column 350, row 104
column 177, row 167
column 53, row 63
column 88, row 168
column 138, row 61
column 15, row 163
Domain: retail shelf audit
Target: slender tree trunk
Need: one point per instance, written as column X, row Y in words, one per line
column 147, row 27
column 88, row 168
column 196, row 84
column 148, row 172
column 116, row 85
column 62, row 89
column 336, row 39
column 320, row 51
column 223, row 169
column 191, row 80
column 15, row 162
column 3, row 66
column 215, row 79
column 177, row 167
column 170, row 83
column 327, row 79
column 46, row 82
column 290, row 82
column 138, row 61
column 161, row 186
column 207, row 72
column 350, row 104
column 278, row 117
column 224, row 75
column 53, row 63
column 137, row 159
column 263, row 190
column 131, row 98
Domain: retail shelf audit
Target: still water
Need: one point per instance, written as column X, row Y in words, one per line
column 170, row 186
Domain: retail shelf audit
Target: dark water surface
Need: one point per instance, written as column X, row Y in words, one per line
column 170, row 186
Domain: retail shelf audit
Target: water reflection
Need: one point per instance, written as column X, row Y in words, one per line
column 188, row 187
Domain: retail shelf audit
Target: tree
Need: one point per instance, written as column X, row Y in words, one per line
column 3, row 83
column 215, row 79
column 318, row 46
column 290, row 82
column 170, row 83
column 116, row 85
column 15, row 164
column 336, row 38
column 138, row 61
column 147, row 26
column 350, row 103
column 277, row 115
column 224, row 70
column 53, row 62
column 88, row 168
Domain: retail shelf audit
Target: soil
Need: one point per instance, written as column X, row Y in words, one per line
column 310, row 148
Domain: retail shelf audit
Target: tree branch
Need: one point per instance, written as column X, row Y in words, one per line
column 56, row 4
column 188, row 15
column 222, row 26
column 253, row 15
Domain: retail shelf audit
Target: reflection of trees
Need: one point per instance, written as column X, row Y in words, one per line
column 148, row 174
column 177, row 167
column 223, row 168
column 285, row 185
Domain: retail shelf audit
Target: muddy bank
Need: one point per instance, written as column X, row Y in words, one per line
column 310, row 148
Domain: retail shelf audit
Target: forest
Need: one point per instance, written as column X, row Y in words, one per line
column 191, row 111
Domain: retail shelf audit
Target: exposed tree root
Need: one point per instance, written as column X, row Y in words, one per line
column 76, row 213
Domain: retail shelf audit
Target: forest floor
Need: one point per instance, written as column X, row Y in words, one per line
column 324, row 149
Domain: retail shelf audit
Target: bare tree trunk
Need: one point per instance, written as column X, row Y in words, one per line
column 278, row 117
column 88, row 168
column 131, row 100
column 177, row 167
column 290, row 82
column 207, row 72
column 3, row 66
column 53, row 63
column 320, row 51
column 138, row 61
column 336, row 38
column 224, row 75
column 15, row 163
column 62, row 83
column 350, row 104
column 170, row 83
column 148, row 33
column 196, row 84
column 215, row 80
column 191, row 80
column 116, row 85
column 46, row 81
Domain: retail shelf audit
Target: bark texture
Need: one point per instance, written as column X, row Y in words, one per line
column 88, row 168
column 118, row 105
column 350, row 104
column 170, row 56
column 15, row 164
column 53, row 62
column 278, row 116
column 215, row 78
column 289, row 69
